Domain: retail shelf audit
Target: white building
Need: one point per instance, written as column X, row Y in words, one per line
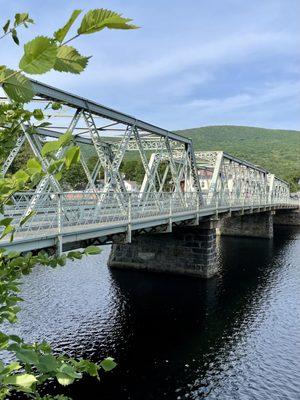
column 131, row 186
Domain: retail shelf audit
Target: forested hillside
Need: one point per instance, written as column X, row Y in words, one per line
column 275, row 150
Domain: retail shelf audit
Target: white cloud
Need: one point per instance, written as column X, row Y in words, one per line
column 251, row 99
column 212, row 67
column 207, row 57
column 229, row 50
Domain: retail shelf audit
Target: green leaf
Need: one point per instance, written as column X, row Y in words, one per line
column 27, row 217
column 108, row 364
column 67, row 374
column 21, row 175
column 65, row 139
column 70, row 371
column 61, row 33
column 88, row 367
column 55, row 166
column 39, row 55
column 44, row 346
column 17, row 86
column 34, row 166
column 64, row 379
column 15, row 36
column 12, row 254
column 50, row 147
column 58, row 176
column 6, row 26
column 72, row 156
column 7, row 230
column 38, row 114
column 36, row 177
column 14, row 366
column 69, row 60
column 56, row 106
column 43, row 125
column 15, row 338
column 4, row 341
column 75, row 254
column 91, row 250
column 24, row 380
column 6, row 221
column 21, row 18
column 98, row 19
column 62, row 260
column 27, row 356
column 47, row 363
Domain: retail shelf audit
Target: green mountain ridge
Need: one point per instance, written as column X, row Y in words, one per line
column 277, row 150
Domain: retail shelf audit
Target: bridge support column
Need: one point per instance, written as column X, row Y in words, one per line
column 287, row 217
column 258, row 225
column 187, row 250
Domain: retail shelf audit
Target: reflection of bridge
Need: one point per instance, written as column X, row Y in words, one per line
column 181, row 188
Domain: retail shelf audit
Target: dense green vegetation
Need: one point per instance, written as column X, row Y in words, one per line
column 275, row 150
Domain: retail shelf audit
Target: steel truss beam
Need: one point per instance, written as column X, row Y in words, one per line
column 234, row 179
column 54, row 94
column 12, row 155
column 231, row 178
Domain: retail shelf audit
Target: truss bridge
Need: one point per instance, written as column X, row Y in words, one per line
column 183, row 197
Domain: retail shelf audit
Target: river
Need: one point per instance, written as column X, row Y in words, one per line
column 236, row 336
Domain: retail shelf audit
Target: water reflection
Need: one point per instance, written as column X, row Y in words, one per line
column 232, row 337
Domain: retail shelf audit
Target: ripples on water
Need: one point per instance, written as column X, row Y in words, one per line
column 236, row 336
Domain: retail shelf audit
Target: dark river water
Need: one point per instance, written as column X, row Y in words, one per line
column 236, row 336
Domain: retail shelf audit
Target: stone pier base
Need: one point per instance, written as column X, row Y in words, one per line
column 287, row 217
column 187, row 251
column 251, row 225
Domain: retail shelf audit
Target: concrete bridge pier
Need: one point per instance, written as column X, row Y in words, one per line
column 287, row 217
column 189, row 250
column 258, row 225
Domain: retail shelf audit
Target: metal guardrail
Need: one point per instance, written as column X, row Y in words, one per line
column 81, row 210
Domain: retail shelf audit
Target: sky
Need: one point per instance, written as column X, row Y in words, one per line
column 192, row 63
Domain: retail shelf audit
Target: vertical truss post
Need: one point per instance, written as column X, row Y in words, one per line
column 129, row 217
column 59, row 223
column 215, row 177
column 170, row 224
column 197, row 209
column 194, row 170
column 271, row 187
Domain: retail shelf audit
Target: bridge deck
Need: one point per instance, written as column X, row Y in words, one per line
column 47, row 232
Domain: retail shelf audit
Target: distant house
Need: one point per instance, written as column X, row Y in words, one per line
column 205, row 175
column 131, row 186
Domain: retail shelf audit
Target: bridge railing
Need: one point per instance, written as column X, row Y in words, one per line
column 72, row 211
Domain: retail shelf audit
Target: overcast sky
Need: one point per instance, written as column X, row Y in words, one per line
column 193, row 62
